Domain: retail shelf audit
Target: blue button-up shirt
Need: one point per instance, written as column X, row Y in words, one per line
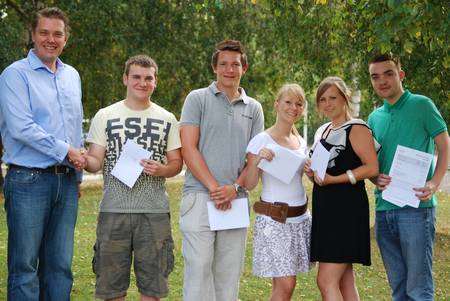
column 40, row 112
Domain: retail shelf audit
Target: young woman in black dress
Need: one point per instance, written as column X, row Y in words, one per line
column 340, row 227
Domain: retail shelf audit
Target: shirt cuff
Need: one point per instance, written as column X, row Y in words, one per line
column 61, row 150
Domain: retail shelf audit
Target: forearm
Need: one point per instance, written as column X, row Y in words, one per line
column 197, row 166
column 251, row 174
column 35, row 137
column 92, row 164
column 442, row 162
column 172, row 168
column 366, row 171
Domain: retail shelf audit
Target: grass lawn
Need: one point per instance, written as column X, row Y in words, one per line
column 371, row 281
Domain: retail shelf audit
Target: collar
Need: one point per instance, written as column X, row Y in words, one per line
column 36, row 62
column 399, row 103
column 243, row 96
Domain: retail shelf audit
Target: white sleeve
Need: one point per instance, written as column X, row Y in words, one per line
column 255, row 145
column 303, row 145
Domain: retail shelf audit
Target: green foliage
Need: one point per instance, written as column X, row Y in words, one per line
column 287, row 41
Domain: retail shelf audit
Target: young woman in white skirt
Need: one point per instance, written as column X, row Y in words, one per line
column 281, row 235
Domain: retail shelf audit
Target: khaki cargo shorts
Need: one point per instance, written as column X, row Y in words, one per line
column 121, row 236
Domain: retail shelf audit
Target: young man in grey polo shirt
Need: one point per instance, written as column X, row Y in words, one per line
column 217, row 123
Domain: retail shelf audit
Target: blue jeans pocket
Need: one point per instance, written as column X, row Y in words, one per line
column 22, row 176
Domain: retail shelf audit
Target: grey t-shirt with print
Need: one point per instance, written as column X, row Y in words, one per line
column 155, row 130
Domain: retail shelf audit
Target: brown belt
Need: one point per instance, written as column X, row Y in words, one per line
column 279, row 211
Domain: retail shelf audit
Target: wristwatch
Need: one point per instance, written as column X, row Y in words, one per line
column 239, row 188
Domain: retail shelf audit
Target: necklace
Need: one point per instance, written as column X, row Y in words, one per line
column 337, row 125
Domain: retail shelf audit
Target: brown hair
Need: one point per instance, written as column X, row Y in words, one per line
column 230, row 45
column 141, row 60
column 51, row 13
column 383, row 57
column 296, row 91
column 342, row 88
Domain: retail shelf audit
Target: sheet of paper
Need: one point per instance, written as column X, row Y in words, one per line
column 236, row 217
column 319, row 160
column 284, row 165
column 128, row 167
column 409, row 170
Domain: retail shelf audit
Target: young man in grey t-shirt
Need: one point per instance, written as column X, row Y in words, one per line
column 216, row 125
column 134, row 223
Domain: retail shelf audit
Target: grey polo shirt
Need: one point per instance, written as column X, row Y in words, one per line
column 225, row 130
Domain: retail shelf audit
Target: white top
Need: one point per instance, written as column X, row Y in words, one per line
column 274, row 190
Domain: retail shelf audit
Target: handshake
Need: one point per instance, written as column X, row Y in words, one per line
column 77, row 157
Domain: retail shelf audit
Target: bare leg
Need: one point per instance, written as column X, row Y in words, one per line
column 282, row 288
column 348, row 285
column 328, row 280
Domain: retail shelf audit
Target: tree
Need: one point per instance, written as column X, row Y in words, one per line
column 299, row 41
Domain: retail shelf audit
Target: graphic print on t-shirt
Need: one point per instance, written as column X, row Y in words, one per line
column 152, row 134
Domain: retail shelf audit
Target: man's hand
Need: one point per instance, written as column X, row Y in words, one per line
column 425, row 193
column 223, row 194
column 153, row 168
column 77, row 158
column 383, row 181
column 224, row 206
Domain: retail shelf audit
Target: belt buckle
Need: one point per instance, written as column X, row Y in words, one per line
column 282, row 214
column 60, row 169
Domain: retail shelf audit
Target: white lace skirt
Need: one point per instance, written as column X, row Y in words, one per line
column 281, row 249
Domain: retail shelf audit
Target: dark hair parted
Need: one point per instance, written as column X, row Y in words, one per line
column 229, row 45
column 51, row 13
column 141, row 60
column 383, row 57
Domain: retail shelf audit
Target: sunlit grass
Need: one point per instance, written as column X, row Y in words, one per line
column 371, row 281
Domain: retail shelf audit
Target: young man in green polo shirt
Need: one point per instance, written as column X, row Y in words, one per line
column 405, row 235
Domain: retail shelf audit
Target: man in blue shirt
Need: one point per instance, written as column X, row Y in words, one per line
column 40, row 124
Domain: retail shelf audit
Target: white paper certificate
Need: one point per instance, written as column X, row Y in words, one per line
column 409, row 170
column 284, row 164
column 128, row 167
column 319, row 160
column 236, row 217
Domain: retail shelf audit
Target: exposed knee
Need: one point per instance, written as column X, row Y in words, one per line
column 283, row 290
column 325, row 284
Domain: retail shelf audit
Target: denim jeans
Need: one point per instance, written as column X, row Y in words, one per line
column 41, row 210
column 405, row 238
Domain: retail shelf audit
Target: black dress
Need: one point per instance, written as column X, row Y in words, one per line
column 340, row 224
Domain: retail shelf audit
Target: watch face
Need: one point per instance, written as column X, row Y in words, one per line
column 239, row 188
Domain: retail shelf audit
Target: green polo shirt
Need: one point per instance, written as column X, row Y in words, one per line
column 413, row 121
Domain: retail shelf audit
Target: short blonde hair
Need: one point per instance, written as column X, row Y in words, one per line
column 296, row 91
